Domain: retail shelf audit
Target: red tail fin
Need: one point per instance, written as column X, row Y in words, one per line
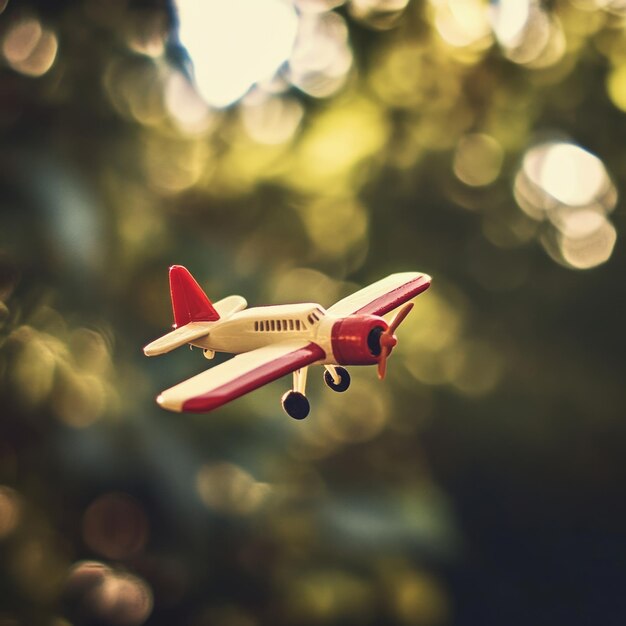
column 189, row 302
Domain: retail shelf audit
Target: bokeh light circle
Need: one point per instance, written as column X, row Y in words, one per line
column 229, row 45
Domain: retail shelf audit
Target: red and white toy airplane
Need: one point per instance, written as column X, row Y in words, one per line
column 271, row 341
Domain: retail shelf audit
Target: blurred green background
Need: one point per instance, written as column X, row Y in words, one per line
column 295, row 151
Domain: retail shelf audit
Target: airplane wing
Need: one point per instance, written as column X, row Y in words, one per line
column 384, row 295
column 178, row 337
column 241, row 374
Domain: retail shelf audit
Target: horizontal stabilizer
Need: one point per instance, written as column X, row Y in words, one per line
column 230, row 305
column 180, row 336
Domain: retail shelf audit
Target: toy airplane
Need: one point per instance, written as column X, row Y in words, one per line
column 271, row 341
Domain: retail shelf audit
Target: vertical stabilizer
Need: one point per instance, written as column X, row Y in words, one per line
column 189, row 302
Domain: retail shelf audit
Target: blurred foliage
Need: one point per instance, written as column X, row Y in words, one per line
column 481, row 143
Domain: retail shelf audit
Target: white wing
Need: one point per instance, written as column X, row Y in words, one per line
column 384, row 295
column 241, row 374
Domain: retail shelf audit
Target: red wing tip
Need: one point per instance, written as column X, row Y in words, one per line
column 422, row 283
column 202, row 404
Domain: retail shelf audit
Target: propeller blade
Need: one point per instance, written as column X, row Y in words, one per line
column 388, row 340
column 382, row 365
column 399, row 317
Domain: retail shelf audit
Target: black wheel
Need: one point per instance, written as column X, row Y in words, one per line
column 344, row 379
column 295, row 405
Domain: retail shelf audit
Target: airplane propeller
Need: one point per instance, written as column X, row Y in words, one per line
column 388, row 340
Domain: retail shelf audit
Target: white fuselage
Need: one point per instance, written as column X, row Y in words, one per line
column 261, row 326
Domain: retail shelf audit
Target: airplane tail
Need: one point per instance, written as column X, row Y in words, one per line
column 189, row 302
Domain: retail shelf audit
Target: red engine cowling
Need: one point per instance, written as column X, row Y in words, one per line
column 355, row 340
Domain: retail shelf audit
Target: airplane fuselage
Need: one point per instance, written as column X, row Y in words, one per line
column 344, row 340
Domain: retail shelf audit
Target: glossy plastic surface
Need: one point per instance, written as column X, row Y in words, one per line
column 383, row 296
column 239, row 375
column 350, row 339
column 189, row 302
column 275, row 340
